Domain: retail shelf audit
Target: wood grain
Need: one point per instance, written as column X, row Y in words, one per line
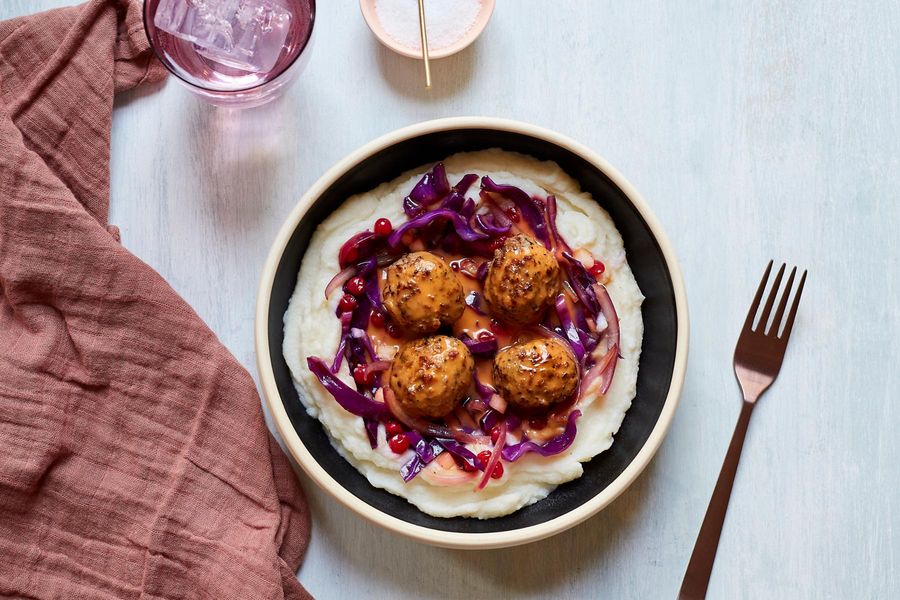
column 756, row 130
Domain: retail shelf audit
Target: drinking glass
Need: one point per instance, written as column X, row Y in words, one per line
column 234, row 53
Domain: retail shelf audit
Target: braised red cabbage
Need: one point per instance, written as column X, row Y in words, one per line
column 431, row 188
column 462, row 228
column 488, row 223
column 475, row 301
column 480, row 347
column 463, row 185
column 555, row 446
column 569, row 329
column 558, row 241
column 531, row 212
column 346, row 318
column 349, row 399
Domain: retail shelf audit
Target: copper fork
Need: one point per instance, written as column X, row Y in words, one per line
column 757, row 361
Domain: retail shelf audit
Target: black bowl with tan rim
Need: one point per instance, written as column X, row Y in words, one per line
column 663, row 355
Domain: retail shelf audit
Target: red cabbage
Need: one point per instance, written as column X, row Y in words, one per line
column 583, row 284
column 609, row 313
column 425, row 452
column 512, row 421
column 363, row 337
column 421, row 446
column 554, row 446
column 475, row 301
column 359, row 247
column 481, row 275
column 349, row 399
column 528, row 207
column 560, row 243
column 484, row 390
column 480, row 347
column 459, row 224
column 460, row 451
column 490, row 418
column 432, row 187
column 356, row 346
column 373, row 293
column 371, row 431
column 454, row 202
column 488, row 224
column 569, row 329
column 605, row 369
column 367, row 266
column 465, row 183
column 468, row 208
column 342, row 346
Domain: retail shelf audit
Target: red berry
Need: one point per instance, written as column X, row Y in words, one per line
column 377, row 318
column 356, row 285
column 383, row 227
column 392, row 330
column 483, row 457
column 597, row 269
column 347, row 304
column 497, row 473
column 454, row 265
column 399, row 443
column 362, row 376
column 392, row 428
column 495, row 434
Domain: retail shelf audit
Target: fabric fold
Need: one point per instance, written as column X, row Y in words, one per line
column 137, row 463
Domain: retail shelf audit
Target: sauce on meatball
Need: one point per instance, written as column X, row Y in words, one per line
column 522, row 281
column 536, row 375
column 420, row 293
column 430, row 376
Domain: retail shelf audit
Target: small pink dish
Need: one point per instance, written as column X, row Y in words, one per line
column 481, row 21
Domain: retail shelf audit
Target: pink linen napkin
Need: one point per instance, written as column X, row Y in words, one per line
column 134, row 459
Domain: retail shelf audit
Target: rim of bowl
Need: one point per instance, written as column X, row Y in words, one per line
column 287, row 67
column 452, row 539
column 481, row 20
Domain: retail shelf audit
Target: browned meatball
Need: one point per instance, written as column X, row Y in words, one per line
column 421, row 292
column 522, row 281
column 430, row 376
column 535, row 375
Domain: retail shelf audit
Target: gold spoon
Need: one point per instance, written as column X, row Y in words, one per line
column 424, row 43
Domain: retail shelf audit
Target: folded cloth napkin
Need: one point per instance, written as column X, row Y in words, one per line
column 134, row 458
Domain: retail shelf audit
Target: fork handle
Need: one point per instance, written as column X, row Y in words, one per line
column 696, row 578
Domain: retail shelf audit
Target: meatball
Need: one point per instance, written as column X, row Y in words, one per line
column 430, row 376
column 421, row 292
column 522, row 281
column 535, row 375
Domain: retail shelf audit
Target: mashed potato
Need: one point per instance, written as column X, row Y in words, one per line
column 311, row 329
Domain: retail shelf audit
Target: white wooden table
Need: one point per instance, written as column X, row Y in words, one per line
column 756, row 130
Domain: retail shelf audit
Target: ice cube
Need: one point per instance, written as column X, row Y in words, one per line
column 243, row 34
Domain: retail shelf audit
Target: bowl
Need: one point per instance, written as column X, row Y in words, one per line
column 663, row 356
column 371, row 17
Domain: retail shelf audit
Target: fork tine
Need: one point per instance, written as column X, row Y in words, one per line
column 748, row 323
column 790, row 320
column 776, row 321
column 770, row 301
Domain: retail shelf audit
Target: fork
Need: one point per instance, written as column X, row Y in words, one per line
column 757, row 361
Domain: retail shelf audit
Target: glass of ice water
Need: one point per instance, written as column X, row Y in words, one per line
column 237, row 53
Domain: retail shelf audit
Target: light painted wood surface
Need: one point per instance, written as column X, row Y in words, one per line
column 758, row 129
